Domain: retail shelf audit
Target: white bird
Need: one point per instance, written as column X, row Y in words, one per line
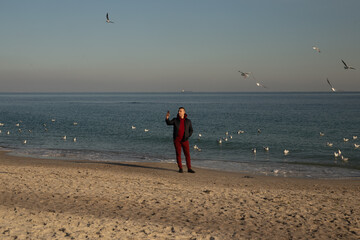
column 356, row 145
column 226, row 139
column 0, row 131
column 25, row 141
column 133, row 127
column 332, row 88
column 240, row 131
column 329, row 144
column 197, row 148
column 266, row 149
column 276, row 171
column 346, row 66
column 345, row 139
column 146, row 130
column 286, row 152
column 339, row 152
column 260, row 85
column 253, row 150
column 8, row 132
column 64, row 137
column 200, row 135
column 74, row 139
column 316, row 48
column 75, row 123
column 322, row 134
column 219, row 141
column 53, row 120
column 107, row 18
column 245, row 74
column 18, row 124
column 336, row 154
column 230, row 136
column 259, row 130
column 355, row 137
column 227, row 133
column 344, row 159
column 1, row 124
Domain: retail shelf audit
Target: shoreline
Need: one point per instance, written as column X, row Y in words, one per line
column 42, row 198
column 274, row 169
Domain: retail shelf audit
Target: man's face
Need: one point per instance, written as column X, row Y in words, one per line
column 181, row 113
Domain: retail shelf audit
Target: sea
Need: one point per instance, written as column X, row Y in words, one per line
column 130, row 127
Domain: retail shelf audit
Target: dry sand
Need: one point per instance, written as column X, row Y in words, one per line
column 53, row 199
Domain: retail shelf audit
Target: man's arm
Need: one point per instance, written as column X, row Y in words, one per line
column 169, row 122
column 190, row 129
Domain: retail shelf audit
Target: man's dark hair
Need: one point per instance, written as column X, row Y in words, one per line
column 181, row 108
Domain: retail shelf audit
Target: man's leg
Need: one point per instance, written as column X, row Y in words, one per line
column 178, row 153
column 186, row 149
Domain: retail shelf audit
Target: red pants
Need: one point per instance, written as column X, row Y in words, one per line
column 185, row 146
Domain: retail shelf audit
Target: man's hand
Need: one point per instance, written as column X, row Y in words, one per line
column 167, row 114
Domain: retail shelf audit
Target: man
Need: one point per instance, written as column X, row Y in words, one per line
column 182, row 131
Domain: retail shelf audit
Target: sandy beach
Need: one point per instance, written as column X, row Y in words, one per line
column 53, row 199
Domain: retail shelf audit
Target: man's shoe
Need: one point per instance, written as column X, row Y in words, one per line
column 191, row 171
column 180, row 170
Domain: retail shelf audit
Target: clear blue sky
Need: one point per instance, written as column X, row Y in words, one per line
column 168, row 45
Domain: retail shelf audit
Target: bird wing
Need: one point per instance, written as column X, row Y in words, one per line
column 329, row 82
column 107, row 16
column 344, row 63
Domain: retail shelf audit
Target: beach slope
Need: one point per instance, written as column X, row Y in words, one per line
column 54, row 199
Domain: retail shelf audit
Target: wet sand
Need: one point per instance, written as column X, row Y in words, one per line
column 54, row 199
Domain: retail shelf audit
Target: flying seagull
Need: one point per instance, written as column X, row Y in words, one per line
column 346, row 66
column 245, row 74
column 107, row 18
column 316, row 48
column 260, row 85
column 332, row 88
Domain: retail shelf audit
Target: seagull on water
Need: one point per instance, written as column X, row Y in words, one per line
column 286, row 152
column 197, row 148
column 25, row 141
column 322, row 134
column 354, row 137
column 345, row 139
column 346, row 66
column 356, row 145
column 133, row 127
column 253, row 150
column 332, row 88
column 107, row 18
column 146, row 130
column 64, row 137
column 266, row 149
column 219, row 141
column 74, row 139
column 245, row 74
column 329, row 144
column 344, row 159
column 240, row 131
column 316, row 48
